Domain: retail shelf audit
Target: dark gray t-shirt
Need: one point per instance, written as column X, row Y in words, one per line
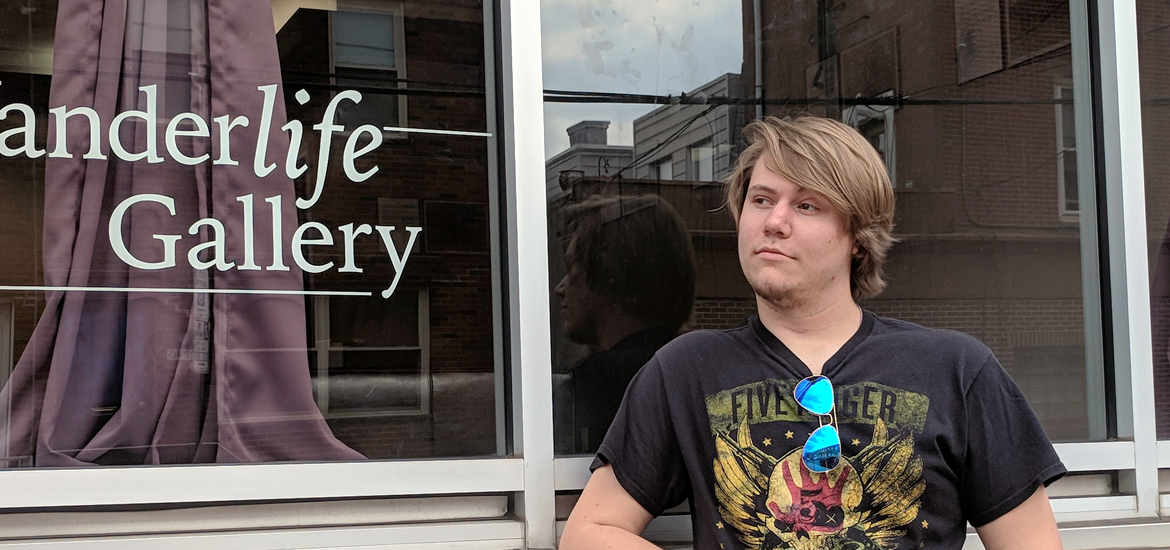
column 934, row 434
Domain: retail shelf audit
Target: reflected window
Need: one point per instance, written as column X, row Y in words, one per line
column 664, row 170
column 1066, row 154
column 702, row 157
column 1035, row 28
column 369, row 356
column 368, row 57
column 876, row 123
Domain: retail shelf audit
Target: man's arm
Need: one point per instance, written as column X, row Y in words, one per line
column 606, row 517
column 1029, row 526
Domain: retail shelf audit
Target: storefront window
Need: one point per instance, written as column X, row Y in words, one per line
column 1153, row 48
column 969, row 102
column 239, row 232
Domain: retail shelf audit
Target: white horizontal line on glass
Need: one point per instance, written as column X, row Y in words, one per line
column 187, row 290
column 444, row 132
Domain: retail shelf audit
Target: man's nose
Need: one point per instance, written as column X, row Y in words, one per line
column 778, row 222
column 560, row 288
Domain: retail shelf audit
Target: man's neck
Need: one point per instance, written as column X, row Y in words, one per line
column 813, row 332
column 617, row 326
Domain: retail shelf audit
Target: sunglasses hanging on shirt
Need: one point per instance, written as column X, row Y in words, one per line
column 822, row 451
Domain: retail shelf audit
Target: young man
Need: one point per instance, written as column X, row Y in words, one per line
column 932, row 432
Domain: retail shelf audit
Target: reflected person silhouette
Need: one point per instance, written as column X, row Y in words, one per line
column 628, row 289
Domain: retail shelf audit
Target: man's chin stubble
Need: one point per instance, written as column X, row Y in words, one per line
column 780, row 298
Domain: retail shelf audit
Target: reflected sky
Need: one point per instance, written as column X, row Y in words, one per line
column 632, row 46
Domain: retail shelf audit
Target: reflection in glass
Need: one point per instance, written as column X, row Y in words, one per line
column 969, row 102
column 268, row 336
column 628, row 287
column 1153, row 20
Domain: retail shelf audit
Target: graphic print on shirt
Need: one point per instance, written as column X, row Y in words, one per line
column 770, row 500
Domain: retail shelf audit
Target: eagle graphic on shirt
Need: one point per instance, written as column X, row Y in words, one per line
column 772, row 502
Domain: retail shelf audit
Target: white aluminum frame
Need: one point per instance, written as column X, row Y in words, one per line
column 1122, row 157
column 531, row 337
column 60, row 488
column 479, row 535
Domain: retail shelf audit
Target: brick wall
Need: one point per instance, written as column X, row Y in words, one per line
column 434, row 181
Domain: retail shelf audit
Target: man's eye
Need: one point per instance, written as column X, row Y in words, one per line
column 809, row 207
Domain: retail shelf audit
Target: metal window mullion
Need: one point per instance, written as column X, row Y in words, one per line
column 530, row 338
column 1084, row 130
column 1121, row 140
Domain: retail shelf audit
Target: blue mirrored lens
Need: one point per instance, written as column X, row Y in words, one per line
column 815, row 394
column 822, row 453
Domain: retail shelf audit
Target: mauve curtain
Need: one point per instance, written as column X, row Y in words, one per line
column 166, row 378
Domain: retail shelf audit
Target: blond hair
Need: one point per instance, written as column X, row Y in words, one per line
column 836, row 162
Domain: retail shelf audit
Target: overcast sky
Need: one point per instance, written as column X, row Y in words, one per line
column 632, row 46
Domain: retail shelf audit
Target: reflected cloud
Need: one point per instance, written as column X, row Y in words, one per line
column 651, row 47
column 596, row 63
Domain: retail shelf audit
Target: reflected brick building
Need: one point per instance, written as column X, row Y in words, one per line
column 971, row 105
column 431, row 358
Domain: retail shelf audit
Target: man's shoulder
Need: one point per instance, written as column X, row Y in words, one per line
column 898, row 332
column 700, row 345
column 711, row 338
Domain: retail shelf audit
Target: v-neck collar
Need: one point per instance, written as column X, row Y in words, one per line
column 794, row 364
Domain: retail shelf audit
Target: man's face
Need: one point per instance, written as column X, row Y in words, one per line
column 794, row 247
column 578, row 305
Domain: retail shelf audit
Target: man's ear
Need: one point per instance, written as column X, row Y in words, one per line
column 856, row 252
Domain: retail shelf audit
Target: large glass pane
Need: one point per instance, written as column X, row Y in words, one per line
column 240, row 233
column 970, row 103
column 1154, row 50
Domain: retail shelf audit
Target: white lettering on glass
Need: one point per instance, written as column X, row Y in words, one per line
column 150, row 124
column 61, row 116
column 351, row 171
column 327, row 127
column 173, row 131
column 142, row 128
column 119, row 244
column 29, row 130
column 258, row 160
column 396, row 259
